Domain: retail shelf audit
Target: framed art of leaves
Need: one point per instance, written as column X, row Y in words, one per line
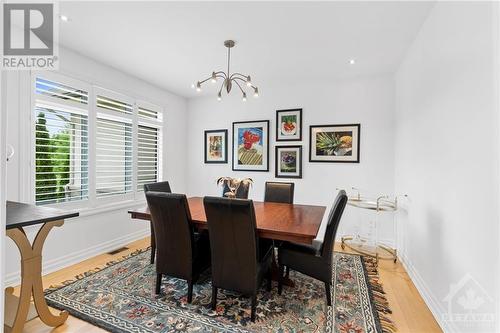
column 216, row 146
column 334, row 143
column 288, row 162
column 251, row 145
column 289, row 125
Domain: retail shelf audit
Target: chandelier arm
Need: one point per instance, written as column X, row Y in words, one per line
column 221, row 72
column 221, row 76
column 242, row 75
column 221, row 86
column 239, row 78
column 237, row 83
column 208, row 78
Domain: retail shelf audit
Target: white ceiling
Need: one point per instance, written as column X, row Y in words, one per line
column 172, row 44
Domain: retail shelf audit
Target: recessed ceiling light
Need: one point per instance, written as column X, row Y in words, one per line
column 352, row 62
column 64, row 18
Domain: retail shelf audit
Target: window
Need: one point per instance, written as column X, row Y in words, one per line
column 113, row 157
column 61, row 143
column 101, row 151
column 147, row 159
column 148, row 144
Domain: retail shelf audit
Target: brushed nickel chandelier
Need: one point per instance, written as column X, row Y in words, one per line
column 228, row 78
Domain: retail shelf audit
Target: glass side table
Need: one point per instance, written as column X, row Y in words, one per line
column 370, row 246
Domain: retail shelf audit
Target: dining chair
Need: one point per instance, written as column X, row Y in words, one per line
column 279, row 192
column 157, row 187
column 314, row 261
column 239, row 259
column 180, row 252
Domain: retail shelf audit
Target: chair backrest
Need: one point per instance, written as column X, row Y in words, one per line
column 333, row 223
column 173, row 233
column 158, row 187
column 241, row 192
column 233, row 241
column 279, row 192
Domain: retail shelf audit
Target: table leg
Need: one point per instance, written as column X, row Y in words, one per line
column 275, row 273
column 31, row 278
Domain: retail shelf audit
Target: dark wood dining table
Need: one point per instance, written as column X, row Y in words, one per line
column 278, row 221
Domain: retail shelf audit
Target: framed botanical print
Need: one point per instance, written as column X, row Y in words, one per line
column 288, row 162
column 216, row 146
column 251, row 145
column 334, row 143
column 289, row 125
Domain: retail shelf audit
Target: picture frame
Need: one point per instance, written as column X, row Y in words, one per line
column 288, row 161
column 251, row 146
column 216, row 146
column 289, row 125
column 334, row 143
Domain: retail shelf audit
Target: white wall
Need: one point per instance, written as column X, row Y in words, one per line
column 369, row 102
column 88, row 235
column 447, row 152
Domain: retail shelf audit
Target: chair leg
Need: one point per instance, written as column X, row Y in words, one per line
column 280, row 279
column 190, row 291
column 153, row 244
column 254, row 307
column 287, row 271
column 158, row 283
column 214, row 297
column 328, row 294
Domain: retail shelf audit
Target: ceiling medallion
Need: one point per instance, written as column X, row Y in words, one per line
column 228, row 78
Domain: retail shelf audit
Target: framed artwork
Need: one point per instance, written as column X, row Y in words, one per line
column 334, row 143
column 288, row 162
column 216, row 146
column 289, row 125
column 251, row 145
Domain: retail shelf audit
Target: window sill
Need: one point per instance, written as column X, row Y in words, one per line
column 90, row 211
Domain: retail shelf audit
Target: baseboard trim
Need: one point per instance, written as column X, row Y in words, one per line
column 50, row 266
column 429, row 298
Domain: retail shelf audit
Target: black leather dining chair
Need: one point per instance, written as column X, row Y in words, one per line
column 241, row 192
column 310, row 260
column 239, row 259
column 279, row 192
column 157, row 187
column 180, row 253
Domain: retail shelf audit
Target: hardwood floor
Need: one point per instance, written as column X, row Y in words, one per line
column 410, row 313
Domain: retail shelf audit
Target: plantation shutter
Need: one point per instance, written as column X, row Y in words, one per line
column 149, row 144
column 114, row 153
column 147, row 156
column 61, row 142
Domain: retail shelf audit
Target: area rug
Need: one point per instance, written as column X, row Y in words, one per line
column 120, row 298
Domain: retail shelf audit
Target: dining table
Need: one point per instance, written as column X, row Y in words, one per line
column 277, row 221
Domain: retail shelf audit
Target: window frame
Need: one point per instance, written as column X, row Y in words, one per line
column 93, row 111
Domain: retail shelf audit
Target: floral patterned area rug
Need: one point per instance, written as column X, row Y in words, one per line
column 120, row 298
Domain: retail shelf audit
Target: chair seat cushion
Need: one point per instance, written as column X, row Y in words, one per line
column 314, row 249
column 305, row 259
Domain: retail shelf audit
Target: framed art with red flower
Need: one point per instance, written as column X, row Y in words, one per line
column 251, row 145
column 289, row 125
column 288, row 161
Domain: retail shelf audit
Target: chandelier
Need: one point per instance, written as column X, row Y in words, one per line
column 229, row 79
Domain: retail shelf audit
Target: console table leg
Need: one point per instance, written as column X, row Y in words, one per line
column 31, row 278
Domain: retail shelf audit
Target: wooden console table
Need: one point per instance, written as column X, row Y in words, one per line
column 20, row 309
